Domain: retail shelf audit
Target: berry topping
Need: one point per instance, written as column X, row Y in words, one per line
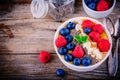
column 87, row 23
column 102, row 5
column 95, row 36
column 86, row 61
column 71, row 25
column 60, row 41
column 44, row 56
column 78, row 52
column 103, row 45
column 69, row 38
column 76, row 61
column 70, row 46
column 98, row 28
column 87, row 30
column 62, row 50
column 68, row 57
column 64, row 31
column 96, row 1
column 60, row 72
column 92, row 5
column 87, row 1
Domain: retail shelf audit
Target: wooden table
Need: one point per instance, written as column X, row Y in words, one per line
column 19, row 55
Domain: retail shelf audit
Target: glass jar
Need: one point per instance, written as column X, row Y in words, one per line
column 59, row 9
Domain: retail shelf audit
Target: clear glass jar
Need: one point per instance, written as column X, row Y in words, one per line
column 59, row 9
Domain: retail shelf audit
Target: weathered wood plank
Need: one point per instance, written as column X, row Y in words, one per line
column 28, row 66
column 30, row 37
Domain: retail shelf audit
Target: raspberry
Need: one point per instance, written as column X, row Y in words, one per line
column 98, row 28
column 78, row 52
column 102, row 5
column 44, row 56
column 94, row 36
column 110, row 2
column 60, row 41
column 87, row 24
column 103, row 45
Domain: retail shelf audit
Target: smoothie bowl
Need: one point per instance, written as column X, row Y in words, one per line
column 82, row 43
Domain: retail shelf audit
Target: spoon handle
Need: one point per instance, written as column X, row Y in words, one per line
column 110, row 65
column 115, row 58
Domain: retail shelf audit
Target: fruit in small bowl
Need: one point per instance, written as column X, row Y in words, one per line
column 98, row 8
column 82, row 43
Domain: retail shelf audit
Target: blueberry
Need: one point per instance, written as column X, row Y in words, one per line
column 95, row 1
column 92, row 5
column 64, row 31
column 70, row 46
column 69, row 38
column 71, row 25
column 86, row 61
column 77, row 61
column 68, row 57
column 62, row 50
column 60, row 72
column 87, row 1
column 87, row 30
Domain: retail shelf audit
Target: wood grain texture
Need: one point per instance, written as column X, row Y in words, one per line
column 19, row 55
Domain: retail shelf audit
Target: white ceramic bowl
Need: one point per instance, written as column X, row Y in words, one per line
column 81, row 68
column 97, row 14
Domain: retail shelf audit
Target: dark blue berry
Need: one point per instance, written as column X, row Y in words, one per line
column 86, row 61
column 92, row 5
column 87, row 1
column 64, row 31
column 62, row 50
column 68, row 57
column 77, row 61
column 96, row 1
column 60, row 72
column 69, row 38
column 70, row 46
column 71, row 25
column 87, row 30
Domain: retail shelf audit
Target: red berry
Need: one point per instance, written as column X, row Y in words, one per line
column 78, row 52
column 102, row 5
column 95, row 36
column 98, row 28
column 87, row 24
column 103, row 45
column 60, row 41
column 44, row 56
column 110, row 2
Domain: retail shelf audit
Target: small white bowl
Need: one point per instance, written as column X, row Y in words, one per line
column 81, row 68
column 97, row 14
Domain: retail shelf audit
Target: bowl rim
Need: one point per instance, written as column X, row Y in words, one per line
column 84, row 4
column 82, row 67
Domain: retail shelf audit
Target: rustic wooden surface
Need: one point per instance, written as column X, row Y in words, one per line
column 19, row 55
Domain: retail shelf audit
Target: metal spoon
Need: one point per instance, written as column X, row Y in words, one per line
column 113, row 59
column 110, row 26
column 117, row 37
